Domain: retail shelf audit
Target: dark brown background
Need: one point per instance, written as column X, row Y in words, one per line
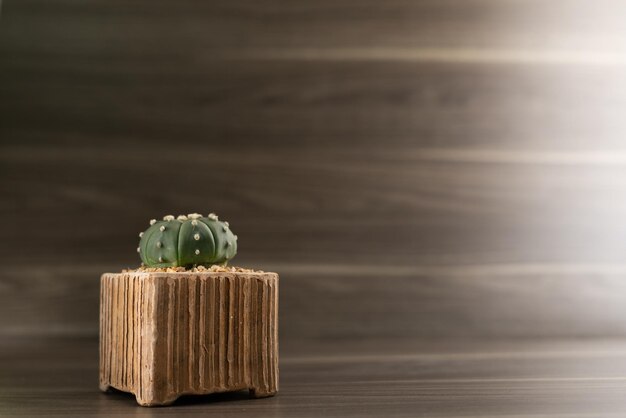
column 415, row 170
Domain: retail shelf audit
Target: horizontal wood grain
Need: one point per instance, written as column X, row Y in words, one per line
column 470, row 151
column 581, row 378
column 371, row 301
column 166, row 30
column 254, row 104
column 325, row 205
column 439, row 183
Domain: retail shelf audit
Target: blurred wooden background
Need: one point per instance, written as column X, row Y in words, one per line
column 430, row 169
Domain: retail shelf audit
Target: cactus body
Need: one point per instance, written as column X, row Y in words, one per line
column 187, row 241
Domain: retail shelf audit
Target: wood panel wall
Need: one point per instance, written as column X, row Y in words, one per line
column 412, row 169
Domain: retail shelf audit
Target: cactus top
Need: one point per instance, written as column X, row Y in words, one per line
column 187, row 241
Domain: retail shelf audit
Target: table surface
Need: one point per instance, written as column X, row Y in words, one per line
column 440, row 185
column 58, row 377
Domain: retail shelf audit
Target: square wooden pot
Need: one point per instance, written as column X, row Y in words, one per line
column 163, row 335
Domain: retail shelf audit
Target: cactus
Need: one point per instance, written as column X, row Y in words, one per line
column 187, row 241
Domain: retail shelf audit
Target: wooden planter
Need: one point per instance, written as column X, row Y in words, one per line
column 163, row 335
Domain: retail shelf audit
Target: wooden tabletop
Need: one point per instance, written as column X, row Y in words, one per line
column 577, row 378
column 440, row 184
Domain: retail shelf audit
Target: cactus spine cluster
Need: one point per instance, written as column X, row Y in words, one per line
column 187, row 241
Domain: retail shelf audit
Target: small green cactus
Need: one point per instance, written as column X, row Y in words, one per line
column 187, row 241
